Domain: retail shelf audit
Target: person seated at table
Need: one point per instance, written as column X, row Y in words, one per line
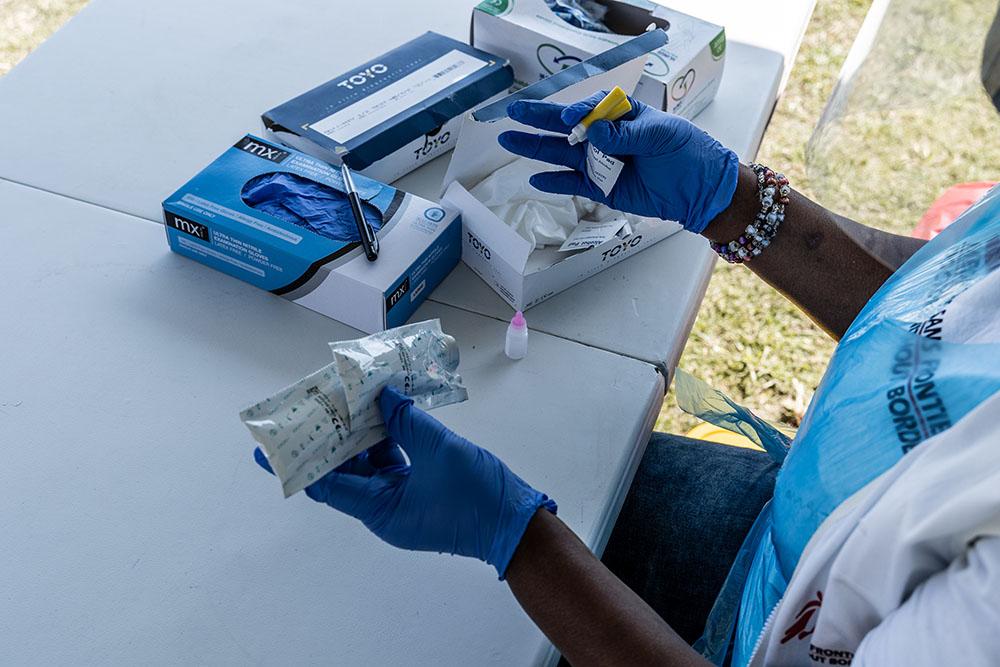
column 904, row 569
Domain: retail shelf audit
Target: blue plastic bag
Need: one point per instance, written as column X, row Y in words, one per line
column 697, row 398
column 891, row 384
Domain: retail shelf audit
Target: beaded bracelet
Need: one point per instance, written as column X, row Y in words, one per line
column 772, row 189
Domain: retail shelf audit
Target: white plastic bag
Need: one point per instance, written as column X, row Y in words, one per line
column 311, row 427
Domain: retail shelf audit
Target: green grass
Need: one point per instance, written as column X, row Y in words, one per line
column 933, row 128
column 918, row 123
column 24, row 24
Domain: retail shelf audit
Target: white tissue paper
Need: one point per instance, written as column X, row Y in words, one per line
column 543, row 218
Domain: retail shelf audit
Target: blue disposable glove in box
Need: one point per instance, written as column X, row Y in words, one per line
column 280, row 220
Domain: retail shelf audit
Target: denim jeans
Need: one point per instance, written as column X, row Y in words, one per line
column 682, row 524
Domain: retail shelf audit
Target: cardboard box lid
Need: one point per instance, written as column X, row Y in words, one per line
column 624, row 18
column 451, row 98
column 687, row 34
column 478, row 154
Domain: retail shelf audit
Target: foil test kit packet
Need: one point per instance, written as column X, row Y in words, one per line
column 312, row 426
column 279, row 219
column 394, row 113
column 520, row 273
column 681, row 76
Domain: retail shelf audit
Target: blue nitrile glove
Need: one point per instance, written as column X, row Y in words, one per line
column 306, row 203
column 454, row 497
column 673, row 170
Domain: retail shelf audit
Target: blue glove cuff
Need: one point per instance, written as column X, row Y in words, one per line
column 720, row 196
column 515, row 519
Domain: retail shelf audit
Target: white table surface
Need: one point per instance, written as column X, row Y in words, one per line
column 130, row 99
column 136, row 527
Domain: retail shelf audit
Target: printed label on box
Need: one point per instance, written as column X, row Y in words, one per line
column 412, row 89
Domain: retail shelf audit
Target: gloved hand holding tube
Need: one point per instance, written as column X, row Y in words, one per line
column 453, row 497
column 673, row 170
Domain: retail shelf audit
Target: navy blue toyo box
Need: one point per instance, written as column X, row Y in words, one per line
column 392, row 114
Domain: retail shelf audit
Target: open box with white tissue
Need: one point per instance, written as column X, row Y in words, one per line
column 521, row 274
column 681, row 76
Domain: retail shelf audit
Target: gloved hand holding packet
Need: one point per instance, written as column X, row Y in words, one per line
column 306, row 430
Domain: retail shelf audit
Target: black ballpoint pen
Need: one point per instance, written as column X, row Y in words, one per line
column 368, row 239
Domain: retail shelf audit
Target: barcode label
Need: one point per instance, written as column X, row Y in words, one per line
column 447, row 69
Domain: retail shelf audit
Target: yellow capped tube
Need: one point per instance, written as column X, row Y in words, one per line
column 614, row 105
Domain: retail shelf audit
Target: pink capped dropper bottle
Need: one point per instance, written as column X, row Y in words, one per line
column 516, row 345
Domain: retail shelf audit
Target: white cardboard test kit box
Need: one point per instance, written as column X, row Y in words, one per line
column 681, row 77
column 520, row 274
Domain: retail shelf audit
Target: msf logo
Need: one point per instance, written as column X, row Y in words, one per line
column 805, row 620
column 478, row 246
column 363, row 77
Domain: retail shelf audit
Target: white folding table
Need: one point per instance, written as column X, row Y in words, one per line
column 137, row 529
column 130, row 99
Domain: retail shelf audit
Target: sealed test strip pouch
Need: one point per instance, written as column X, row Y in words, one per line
column 280, row 219
column 304, row 430
column 520, row 273
column 311, row 427
column 386, row 117
column 418, row 358
column 681, row 76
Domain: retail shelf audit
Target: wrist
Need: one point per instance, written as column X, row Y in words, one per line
column 514, row 527
column 745, row 204
column 536, row 543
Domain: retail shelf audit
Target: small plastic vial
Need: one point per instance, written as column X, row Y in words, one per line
column 516, row 345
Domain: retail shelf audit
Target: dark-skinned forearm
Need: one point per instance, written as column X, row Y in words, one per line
column 827, row 265
column 891, row 249
column 587, row 612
